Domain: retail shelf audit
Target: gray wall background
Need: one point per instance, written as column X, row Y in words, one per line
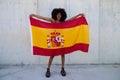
column 103, row 17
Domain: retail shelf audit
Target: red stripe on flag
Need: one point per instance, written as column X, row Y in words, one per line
column 67, row 24
column 56, row 52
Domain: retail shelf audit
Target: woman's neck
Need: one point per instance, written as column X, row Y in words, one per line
column 57, row 21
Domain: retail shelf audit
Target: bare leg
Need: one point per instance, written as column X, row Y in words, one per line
column 50, row 61
column 63, row 60
column 63, row 73
column 49, row 64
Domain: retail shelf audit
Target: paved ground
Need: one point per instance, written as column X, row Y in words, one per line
column 74, row 72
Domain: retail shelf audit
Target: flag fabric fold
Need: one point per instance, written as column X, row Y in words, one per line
column 52, row 39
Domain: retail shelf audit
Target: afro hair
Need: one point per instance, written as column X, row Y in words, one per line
column 59, row 10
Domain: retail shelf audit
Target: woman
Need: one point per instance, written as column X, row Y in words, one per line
column 58, row 15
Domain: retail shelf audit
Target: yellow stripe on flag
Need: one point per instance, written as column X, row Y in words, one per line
column 77, row 34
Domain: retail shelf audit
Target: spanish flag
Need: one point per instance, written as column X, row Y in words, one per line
column 52, row 39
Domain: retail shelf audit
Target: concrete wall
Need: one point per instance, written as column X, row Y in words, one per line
column 15, row 38
column 109, row 30
column 103, row 17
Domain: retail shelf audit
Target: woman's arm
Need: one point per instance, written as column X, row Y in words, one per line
column 79, row 15
column 41, row 17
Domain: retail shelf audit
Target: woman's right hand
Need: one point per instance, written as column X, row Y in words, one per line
column 80, row 15
column 31, row 15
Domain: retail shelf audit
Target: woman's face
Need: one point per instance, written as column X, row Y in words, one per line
column 59, row 16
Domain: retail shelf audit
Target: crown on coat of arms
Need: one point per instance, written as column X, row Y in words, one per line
column 55, row 33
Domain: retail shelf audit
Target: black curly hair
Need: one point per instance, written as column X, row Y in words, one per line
column 59, row 10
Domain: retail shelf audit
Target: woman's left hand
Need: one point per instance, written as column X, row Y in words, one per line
column 81, row 14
